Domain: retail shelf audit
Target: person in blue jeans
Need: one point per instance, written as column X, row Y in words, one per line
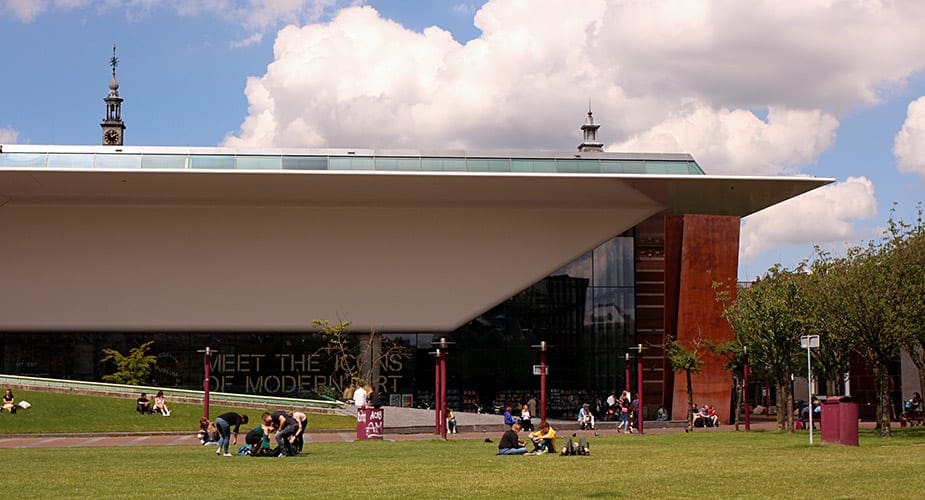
column 224, row 423
column 510, row 443
column 286, row 428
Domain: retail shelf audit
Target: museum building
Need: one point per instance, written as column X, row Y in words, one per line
column 594, row 253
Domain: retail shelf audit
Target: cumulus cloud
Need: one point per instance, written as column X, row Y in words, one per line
column 909, row 143
column 649, row 67
column 24, row 10
column 737, row 141
column 246, row 42
column 824, row 215
column 8, row 136
column 252, row 14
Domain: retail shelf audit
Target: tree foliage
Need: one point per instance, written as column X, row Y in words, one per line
column 131, row 369
column 356, row 358
column 870, row 302
column 769, row 318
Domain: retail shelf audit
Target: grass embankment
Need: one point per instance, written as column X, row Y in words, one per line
column 701, row 465
column 54, row 413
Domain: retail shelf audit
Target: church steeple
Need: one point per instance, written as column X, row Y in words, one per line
column 113, row 126
column 589, row 129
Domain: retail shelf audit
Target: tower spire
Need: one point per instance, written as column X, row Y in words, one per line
column 589, row 131
column 113, row 126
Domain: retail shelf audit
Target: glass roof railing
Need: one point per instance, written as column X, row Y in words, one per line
column 250, row 162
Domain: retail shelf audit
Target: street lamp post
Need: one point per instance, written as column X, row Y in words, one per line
column 809, row 342
column 639, row 391
column 440, row 386
column 542, row 347
column 745, row 391
column 208, row 352
column 626, row 364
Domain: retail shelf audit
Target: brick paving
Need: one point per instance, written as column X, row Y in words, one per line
column 400, row 424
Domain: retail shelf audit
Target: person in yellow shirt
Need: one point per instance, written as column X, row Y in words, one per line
column 544, row 439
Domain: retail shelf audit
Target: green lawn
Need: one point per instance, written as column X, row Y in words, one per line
column 53, row 412
column 701, row 465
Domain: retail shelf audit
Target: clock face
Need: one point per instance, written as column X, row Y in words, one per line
column 111, row 137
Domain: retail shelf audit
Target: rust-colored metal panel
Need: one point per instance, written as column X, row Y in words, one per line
column 709, row 250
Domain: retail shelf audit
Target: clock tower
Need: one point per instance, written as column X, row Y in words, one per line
column 113, row 127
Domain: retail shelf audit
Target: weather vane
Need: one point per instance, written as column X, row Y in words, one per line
column 114, row 61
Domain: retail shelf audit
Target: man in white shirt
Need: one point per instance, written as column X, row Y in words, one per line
column 359, row 397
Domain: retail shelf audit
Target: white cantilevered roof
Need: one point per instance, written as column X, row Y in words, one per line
column 218, row 239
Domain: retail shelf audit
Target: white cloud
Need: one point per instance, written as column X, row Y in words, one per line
column 824, row 215
column 8, row 136
column 24, row 10
column 246, row 42
column 649, row 67
column 909, row 143
column 736, row 141
column 252, row 14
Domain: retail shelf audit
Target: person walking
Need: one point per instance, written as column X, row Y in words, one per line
column 224, row 424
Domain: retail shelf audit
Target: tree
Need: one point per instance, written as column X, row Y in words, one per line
column 734, row 354
column 357, row 358
column 689, row 361
column 821, row 287
column 131, row 369
column 768, row 318
column 910, row 256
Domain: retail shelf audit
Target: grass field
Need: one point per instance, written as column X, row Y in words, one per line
column 702, row 465
column 53, row 412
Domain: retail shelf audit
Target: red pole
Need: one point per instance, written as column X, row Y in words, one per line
column 745, row 391
column 437, row 393
column 205, row 383
column 543, row 381
column 626, row 363
column 443, row 412
column 641, row 413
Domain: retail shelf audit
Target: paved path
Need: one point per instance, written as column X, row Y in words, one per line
column 401, row 424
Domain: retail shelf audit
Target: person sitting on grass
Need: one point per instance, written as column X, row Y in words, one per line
column 510, row 443
column 160, row 404
column 585, row 417
column 142, row 405
column 259, row 439
column 8, row 402
column 544, row 439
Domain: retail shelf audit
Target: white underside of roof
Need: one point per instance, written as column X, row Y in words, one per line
column 225, row 251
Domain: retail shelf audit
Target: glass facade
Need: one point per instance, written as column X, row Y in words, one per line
column 349, row 162
column 584, row 311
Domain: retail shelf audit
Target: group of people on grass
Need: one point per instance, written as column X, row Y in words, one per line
column 543, row 440
column 288, row 428
column 705, row 416
column 145, row 407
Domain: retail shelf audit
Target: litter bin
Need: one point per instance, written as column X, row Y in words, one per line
column 829, row 421
column 370, row 423
column 840, row 421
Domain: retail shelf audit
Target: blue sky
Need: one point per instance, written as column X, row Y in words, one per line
column 763, row 89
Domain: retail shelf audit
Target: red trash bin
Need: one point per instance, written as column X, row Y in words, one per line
column 847, row 422
column 830, row 419
column 370, row 423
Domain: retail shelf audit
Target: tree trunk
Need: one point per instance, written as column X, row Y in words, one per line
column 788, row 391
column 690, row 401
column 780, row 401
column 882, row 386
column 740, row 402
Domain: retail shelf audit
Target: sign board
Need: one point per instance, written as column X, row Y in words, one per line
column 809, row 341
column 538, row 370
column 370, row 423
